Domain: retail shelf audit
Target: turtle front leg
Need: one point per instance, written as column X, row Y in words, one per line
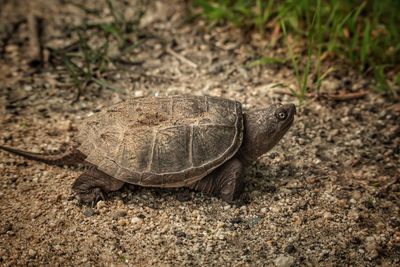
column 226, row 181
column 91, row 185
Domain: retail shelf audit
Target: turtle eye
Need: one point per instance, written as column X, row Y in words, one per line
column 281, row 114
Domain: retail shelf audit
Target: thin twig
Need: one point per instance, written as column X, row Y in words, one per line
column 347, row 96
column 181, row 58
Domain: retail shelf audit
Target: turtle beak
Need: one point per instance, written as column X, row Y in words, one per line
column 291, row 109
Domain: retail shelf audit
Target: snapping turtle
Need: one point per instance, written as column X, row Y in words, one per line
column 200, row 142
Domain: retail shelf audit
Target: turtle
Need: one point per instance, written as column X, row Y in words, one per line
column 198, row 142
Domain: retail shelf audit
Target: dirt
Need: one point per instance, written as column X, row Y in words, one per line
column 327, row 194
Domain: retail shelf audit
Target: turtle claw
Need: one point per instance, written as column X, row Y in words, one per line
column 90, row 186
column 244, row 199
column 90, row 197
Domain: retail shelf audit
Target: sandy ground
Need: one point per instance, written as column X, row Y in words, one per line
column 327, row 195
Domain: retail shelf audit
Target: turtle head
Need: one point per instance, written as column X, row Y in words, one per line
column 264, row 128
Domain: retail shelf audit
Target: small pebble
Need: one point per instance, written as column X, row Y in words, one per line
column 122, row 222
column 120, row 213
column 101, row 204
column 89, row 212
column 301, row 141
column 263, row 210
column 31, row 253
column 275, row 209
column 27, row 87
column 284, row 261
column 371, row 247
column 311, row 180
column 136, row 220
column 220, row 224
column 138, row 93
column 10, row 233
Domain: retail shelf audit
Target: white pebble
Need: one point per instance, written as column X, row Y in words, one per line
column 32, row 253
column 284, row 261
column 136, row 220
column 100, row 204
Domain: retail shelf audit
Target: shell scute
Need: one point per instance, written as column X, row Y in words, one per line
column 166, row 141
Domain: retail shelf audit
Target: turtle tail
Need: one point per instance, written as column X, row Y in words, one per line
column 72, row 157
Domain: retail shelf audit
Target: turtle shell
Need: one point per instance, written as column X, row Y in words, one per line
column 168, row 141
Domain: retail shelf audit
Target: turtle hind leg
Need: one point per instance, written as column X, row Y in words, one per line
column 227, row 182
column 91, row 185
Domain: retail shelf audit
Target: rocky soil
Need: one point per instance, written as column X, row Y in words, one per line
column 327, row 195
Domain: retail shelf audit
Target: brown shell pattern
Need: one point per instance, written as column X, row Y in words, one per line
column 163, row 141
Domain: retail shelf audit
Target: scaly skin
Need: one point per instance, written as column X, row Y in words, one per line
column 262, row 130
column 72, row 157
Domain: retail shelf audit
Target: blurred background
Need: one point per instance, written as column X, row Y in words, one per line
column 313, row 40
